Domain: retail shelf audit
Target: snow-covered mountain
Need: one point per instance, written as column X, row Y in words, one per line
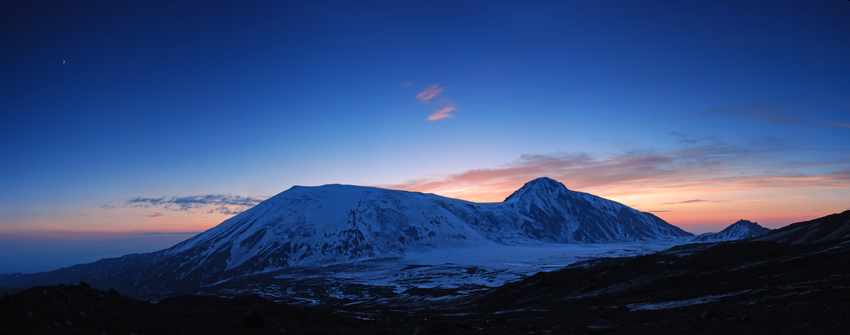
column 737, row 231
column 549, row 211
column 343, row 224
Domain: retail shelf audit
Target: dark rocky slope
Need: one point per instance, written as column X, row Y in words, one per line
column 81, row 309
column 828, row 228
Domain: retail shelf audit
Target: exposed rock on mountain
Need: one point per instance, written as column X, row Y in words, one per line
column 552, row 212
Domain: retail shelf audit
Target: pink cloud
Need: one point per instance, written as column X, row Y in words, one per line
column 442, row 107
column 156, row 215
column 442, row 113
column 429, row 93
column 688, row 202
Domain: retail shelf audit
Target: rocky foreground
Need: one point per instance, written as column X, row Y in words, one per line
column 751, row 287
column 661, row 293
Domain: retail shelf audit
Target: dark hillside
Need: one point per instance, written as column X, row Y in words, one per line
column 828, row 228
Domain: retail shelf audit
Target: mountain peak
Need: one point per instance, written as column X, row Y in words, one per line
column 736, row 231
column 754, row 228
column 539, row 186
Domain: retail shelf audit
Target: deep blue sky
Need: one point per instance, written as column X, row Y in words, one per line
column 702, row 112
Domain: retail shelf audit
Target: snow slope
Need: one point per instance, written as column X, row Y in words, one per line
column 330, row 224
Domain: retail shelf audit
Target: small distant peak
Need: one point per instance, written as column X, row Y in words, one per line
column 749, row 225
column 539, row 186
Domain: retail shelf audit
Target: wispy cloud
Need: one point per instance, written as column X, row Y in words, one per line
column 442, row 113
column 442, row 107
column 777, row 114
column 208, row 203
column 156, row 215
column 762, row 112
column 688, row 139
column 429, row 93
column 685, row 202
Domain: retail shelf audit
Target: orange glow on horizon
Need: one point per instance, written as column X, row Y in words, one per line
column 104, row 224
column 693, row 207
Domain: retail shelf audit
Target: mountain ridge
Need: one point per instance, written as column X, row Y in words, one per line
column 340, row 224
column 828, row 228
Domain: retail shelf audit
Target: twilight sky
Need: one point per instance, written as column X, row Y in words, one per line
column 127, row 125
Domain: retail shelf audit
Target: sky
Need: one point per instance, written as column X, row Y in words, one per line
column 126, row 126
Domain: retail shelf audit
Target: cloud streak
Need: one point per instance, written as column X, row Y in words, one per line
column 442, row 107
column 780, row 115
column 761, row 112
column 685, row 202
column 200, row 204
column 429, row 93
column 442, row 113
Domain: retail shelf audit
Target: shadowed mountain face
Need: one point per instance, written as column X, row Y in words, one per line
column 740, row 230
column 552, row 212
column 828, row 228
column 340, row 224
